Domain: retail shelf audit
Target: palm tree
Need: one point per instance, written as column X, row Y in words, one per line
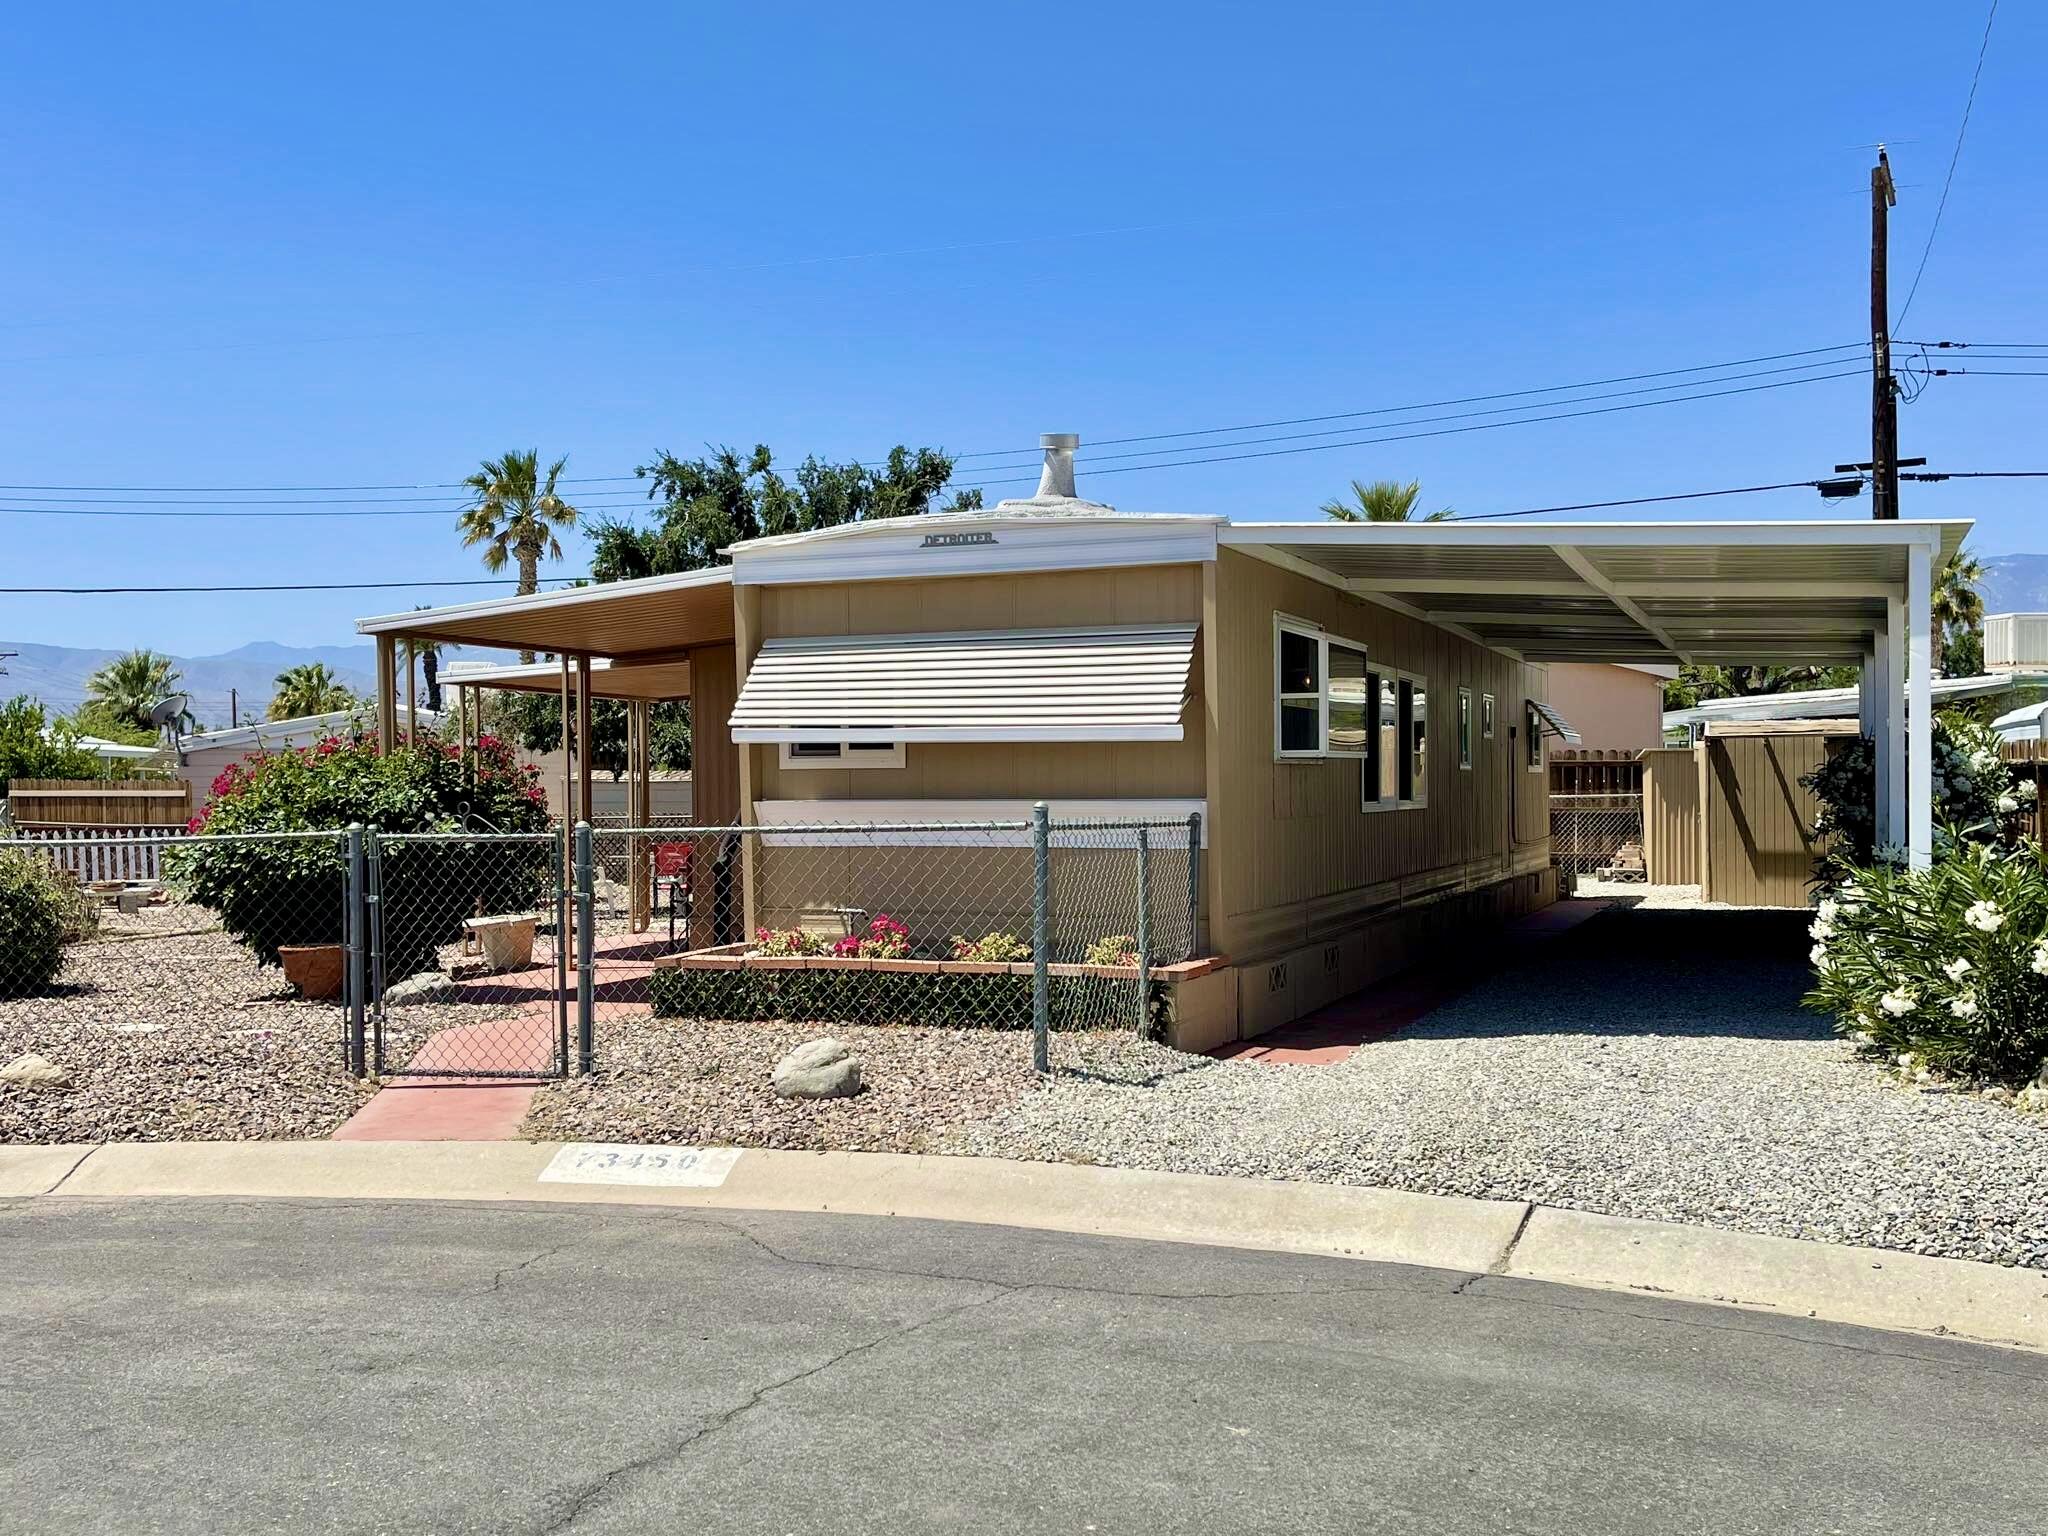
column 515, row 514
column 310, row 689
column 1956, row 602
column 1383, row 501
column 127, row 688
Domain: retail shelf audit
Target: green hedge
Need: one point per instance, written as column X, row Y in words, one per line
column 827, row 995
column 35, row 910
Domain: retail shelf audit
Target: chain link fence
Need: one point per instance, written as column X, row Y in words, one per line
column 1597, row 836
column 486, row 955
column 214, row 972
column 1019, row 925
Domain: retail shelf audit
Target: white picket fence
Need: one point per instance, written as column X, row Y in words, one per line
column 105, row 853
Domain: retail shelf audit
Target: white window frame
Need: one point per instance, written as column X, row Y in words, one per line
column 1465, row 732
column 1487, row 708
column 1285, row 623
column 882, row 755
column 1417, row 797
column 1533, row 724
column 1370, row 765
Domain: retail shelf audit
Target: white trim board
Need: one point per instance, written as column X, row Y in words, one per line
column 810, row 821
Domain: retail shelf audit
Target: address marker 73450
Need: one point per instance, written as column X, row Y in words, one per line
column 600, row 1162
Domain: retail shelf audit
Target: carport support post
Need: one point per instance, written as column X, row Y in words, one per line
column 585, row 992
column 1041, row 937
column 1920, row 707
column 1891, row 737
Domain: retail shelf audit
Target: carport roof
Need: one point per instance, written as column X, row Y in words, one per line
column 1734, row 593
column 650, row 618
column 654, row 680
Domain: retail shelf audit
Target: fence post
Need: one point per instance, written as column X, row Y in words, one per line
column 585, row 912
column 354, row 1048
column 1194, row 880
column 560, row 857
column 373, row 910
column 1144, row 931
column 1041, row 936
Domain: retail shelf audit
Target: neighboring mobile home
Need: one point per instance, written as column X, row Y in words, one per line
column 1358, row 712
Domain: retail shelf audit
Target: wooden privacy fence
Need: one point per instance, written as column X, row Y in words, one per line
column 1595, row 771
column 153, row 803
column 2029, row 766
column 105, row 853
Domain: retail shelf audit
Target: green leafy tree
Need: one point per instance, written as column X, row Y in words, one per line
column 310, row 689
column 1696, row 685
column 706, row 504
column 32, row 746
column 98, row 721
column 1958, row 614
column 515, row 513
column 1383, row 501
column 129, row 687
column 534, row 720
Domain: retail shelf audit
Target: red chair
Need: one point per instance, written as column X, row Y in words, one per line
column 672, row 869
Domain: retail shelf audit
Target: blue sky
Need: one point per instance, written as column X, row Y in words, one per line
column 272, row 245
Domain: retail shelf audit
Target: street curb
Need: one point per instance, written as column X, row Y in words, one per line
column 1786, row 1277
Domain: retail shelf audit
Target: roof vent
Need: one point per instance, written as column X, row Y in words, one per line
column 1055, row 496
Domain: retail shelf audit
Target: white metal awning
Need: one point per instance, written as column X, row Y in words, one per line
column 1551, row 723
column 1114, row 683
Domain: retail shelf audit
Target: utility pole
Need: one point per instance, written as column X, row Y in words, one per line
column 1884, row 398
column 234, row 711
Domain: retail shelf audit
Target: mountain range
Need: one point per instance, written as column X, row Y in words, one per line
column 56, row 674
column 2015, row 584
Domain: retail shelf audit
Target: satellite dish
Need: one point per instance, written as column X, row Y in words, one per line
column 167, row 716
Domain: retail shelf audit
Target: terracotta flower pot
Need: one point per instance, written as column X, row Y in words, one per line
column 315, row 969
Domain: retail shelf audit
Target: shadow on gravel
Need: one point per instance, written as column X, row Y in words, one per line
column 1650, row 971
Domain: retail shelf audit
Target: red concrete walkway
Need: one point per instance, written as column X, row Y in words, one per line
column 1332, row 1033
column 482, row 1104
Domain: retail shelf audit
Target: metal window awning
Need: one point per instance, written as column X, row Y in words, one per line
column 1550, row 723
column 1113, row 683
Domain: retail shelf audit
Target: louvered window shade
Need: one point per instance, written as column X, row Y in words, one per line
column 1119, row 683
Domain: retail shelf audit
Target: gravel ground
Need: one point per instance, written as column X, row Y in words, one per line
column 1655, row 1063
column 176, row 1037
column 669, row 1080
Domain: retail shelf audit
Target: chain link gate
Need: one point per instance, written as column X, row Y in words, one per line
column 466, row 969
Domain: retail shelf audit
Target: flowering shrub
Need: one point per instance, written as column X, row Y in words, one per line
column 992, row 949
column 1945, row 968
column 886, row 939
column 1975, row 796
column 271, row 894
column 40, row 912
column 786, row 943
column 1118, row 949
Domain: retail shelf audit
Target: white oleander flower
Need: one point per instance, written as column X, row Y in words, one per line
column 1821, row 929
column 2027, row 791
column 1957, row 969
column 2039, row 965
column 1828, row 910
column 2007, row 804
column 1819, row 956
column 1964, row 1007
column 1984, row 916
column 1898, row 1002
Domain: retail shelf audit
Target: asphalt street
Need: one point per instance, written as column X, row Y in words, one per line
column 244, row 1366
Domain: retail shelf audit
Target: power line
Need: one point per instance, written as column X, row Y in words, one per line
column 1430, row 405
column 146, row 509
column 1636, row 501
column 283, row 586
column 1483, row 426
column 1949, row 180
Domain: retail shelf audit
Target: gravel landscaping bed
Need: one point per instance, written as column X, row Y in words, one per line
column 1654, row 1063
column 707, row 1084
column 179, row 1037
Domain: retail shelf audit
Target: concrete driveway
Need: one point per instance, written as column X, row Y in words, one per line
column 214, row 1366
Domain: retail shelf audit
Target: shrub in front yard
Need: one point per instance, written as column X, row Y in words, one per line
column 1975, row 795
column 283, row 893
column 36, row 910
column 1947, row 965
column 825, row 995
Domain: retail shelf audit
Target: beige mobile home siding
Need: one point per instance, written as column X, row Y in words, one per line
column 1293, row 857
column 994, row 770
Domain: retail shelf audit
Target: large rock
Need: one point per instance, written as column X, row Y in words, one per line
column 426, row 987
column 818, row 1069
column 34, row 1072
